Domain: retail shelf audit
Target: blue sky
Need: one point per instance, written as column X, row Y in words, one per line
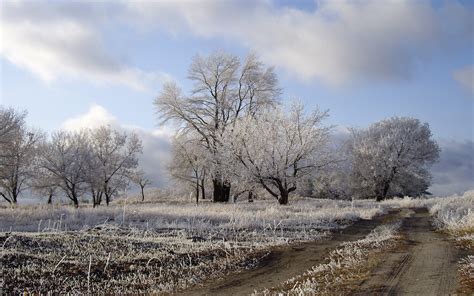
column 362, row 60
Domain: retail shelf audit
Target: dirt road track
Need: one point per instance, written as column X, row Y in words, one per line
column 425, row 264
column 286, row 262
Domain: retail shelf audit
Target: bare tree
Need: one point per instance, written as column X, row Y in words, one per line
column 278, row 148
column 114, row 158
column 17, row 167
column 392, row 157
column 334, row 180
column 10, row 121
column 66, row 158
column 139, row 178
column 45, row 184
column 189, row 163
column 224, row 90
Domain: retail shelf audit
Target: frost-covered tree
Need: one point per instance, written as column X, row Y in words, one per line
column 392, row 157
column 278, row 148
column 10, row 121
column 224, row 89
column 17, row 168
column 334, row 180
column 45, row 184
column 139, row 177
column 66, row 158
column 189, row 162
column 114, row 157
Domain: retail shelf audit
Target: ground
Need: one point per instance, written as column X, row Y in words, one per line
column 309, row 247
column 424, row 264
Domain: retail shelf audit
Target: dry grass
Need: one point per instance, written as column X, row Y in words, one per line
column 164, row 246
column 152, row 248
column 116, row 260
column 455, row 217
column 466, row 275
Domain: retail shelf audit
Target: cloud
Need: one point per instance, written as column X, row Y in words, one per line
column 454, row 173
column 156, row 156
column 465, row 77
column 63, row 40
column 338, row 42
column 95, row 117
column 156, row 143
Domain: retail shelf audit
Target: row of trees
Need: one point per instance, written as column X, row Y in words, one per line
column 100, row 162
column 235, row 137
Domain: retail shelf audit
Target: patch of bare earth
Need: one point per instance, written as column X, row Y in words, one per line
column 424, row 264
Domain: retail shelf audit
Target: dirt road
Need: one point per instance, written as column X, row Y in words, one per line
column 286, row 262
column 425, row 264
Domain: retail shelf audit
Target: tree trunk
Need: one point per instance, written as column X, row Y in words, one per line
column 283, row 199
column 143, row 192
column 73, row 196
column 14, row 197
column 197, row 191
column 221, row 191
column 250, row 196
column 94, row 198
column 107, row 193
column 383, row 193
column 203, row 189
column 75, row 202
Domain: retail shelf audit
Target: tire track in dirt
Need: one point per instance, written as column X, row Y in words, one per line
column 286, row 262
column 425, row 264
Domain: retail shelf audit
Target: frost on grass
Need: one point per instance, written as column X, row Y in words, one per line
column 302, row 214
column 153, row 248
column 466, row 272
column 344, row 266
column 116, row 260
column 455, row 216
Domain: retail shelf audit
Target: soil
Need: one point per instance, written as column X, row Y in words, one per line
column 426, row 264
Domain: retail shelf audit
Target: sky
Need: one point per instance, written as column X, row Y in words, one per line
column 75, row 64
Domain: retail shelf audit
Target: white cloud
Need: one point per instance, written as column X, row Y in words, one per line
column 156, row 143
column 339, row 42
column 465, row 77
column 53, row 41
column 95, row 117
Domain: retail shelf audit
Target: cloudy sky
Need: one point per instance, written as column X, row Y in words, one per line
column 73, row 64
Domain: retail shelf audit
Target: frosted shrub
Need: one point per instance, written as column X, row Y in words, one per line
column 454, row 214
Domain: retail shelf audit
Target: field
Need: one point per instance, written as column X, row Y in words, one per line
column 168, row 246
